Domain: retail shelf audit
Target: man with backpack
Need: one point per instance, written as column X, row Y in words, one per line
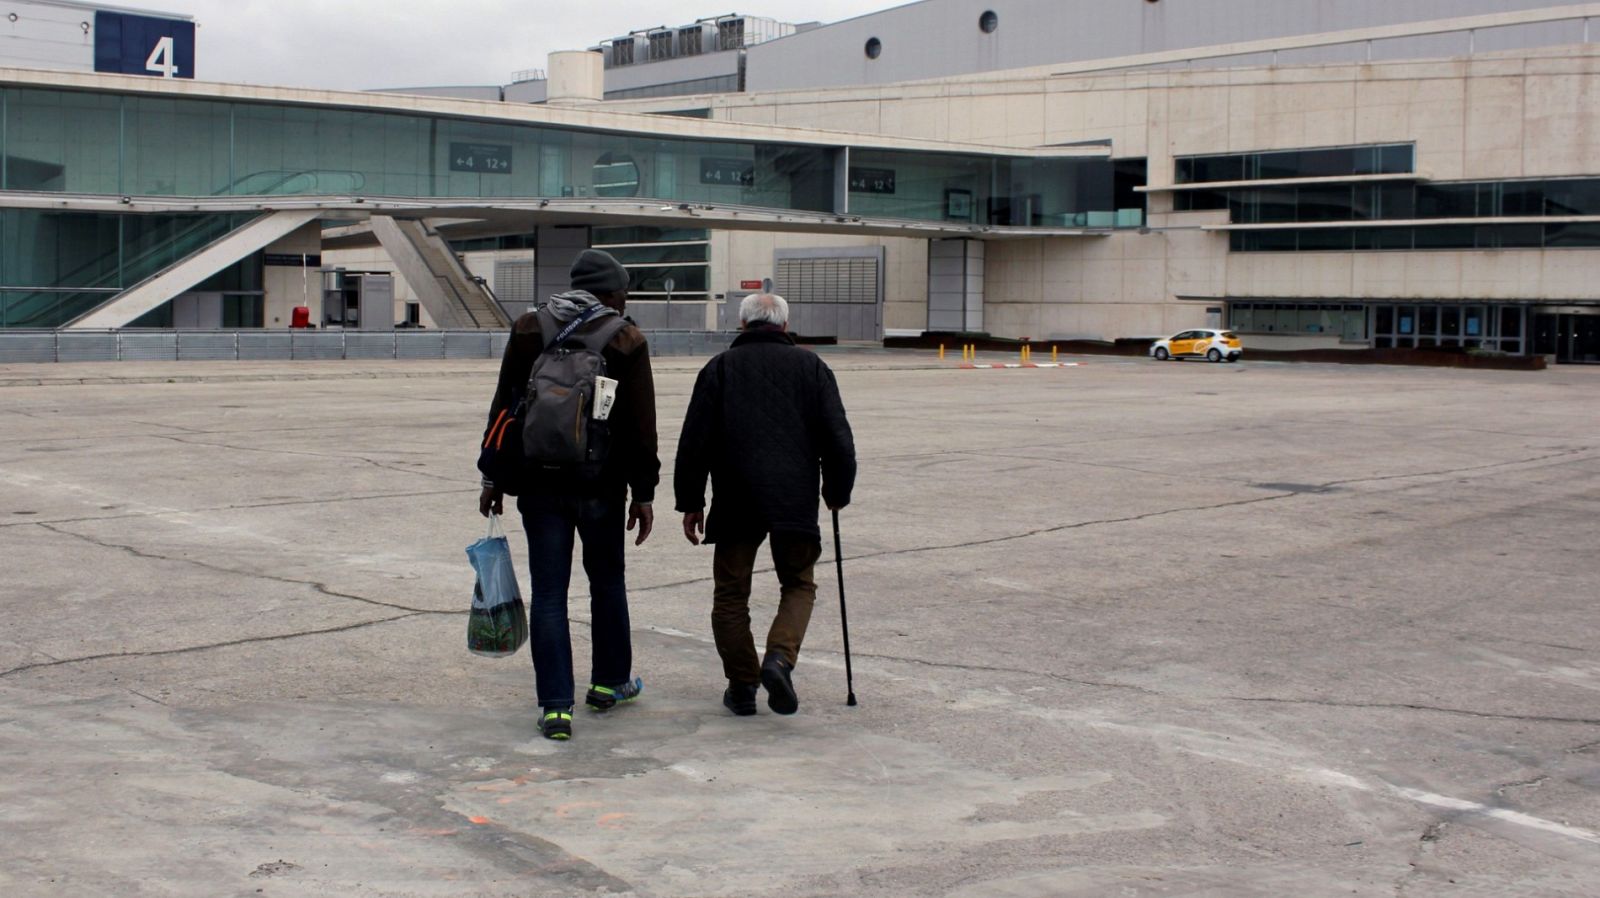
column 764, row 421
column 577, row 396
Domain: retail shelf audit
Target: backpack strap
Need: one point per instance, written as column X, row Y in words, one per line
column 598, row 337
column 554, row 333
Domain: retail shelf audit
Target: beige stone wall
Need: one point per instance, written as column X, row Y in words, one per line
column 748, row 255
column 1524, row 114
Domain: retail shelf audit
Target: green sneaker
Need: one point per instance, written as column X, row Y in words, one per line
column 556, row 723
column 604, row 698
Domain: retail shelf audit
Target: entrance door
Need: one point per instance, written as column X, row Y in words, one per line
column 1571, row 338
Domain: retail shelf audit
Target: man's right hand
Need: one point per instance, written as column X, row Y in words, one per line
column 694, row 526
column 491, row 499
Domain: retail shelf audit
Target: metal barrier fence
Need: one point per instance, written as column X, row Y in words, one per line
column 290, row 345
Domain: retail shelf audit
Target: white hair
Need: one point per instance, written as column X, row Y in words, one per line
column 764, row 308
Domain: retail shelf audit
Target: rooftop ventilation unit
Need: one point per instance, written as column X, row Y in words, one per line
column 659, row 43
column 696, row 39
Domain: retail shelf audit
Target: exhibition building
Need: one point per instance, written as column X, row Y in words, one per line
column 1311, row 175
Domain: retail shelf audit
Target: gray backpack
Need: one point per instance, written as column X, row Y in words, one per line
column 559, row 432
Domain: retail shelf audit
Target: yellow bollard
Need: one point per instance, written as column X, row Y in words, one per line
column 941, row 352
column 1053, row 350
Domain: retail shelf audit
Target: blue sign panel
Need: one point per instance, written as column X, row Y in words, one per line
column 143, row 45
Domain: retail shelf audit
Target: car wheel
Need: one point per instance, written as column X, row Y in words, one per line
column 1161, row 354
column 1214, row 355
column 1232, row 359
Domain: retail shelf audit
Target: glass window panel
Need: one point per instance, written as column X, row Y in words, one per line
column 686, row 252
column 1312, row 320
column 1473, row 322
column 1274, row 204
column 1330, row 203
column 1572, row 197
column 1519, row 198
column 1447, row 201
column 1325, row 163
column 1366, row 201
column 177, row 147
column 1383, row 343
column 1384, row 316
column 1397, row 201
column 1217, row 168
column 1397, row 159
column 1279, row 165
column 1450, row 321
column 1326, row 239
column 1510, row 321
column 1406, row 320
column 1185, row 171
column 1583, row 234
column 1445, row 237
column 653, row 279
column 1353, row 324
column 1522, row 236
column 1383, row 238
column 1428, row 320
column 41, row 248
column 62, row 141
column 1242, row 316
column 1513, row 347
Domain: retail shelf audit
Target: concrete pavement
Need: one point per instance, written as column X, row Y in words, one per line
column 1126, row 629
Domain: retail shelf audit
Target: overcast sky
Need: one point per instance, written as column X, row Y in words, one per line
column 358, row 44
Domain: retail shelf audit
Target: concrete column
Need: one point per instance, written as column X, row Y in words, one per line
column 556, row 249
column 576, row 76
column 955, row 285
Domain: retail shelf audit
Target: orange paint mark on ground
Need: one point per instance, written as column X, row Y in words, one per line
column 478, row 820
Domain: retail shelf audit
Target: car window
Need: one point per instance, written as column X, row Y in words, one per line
column 1184, row 335
column 1229, row 335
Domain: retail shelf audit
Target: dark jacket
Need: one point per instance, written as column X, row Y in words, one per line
column 764, row 420
column 633, row 462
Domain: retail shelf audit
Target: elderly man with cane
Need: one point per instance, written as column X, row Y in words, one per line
column 767, row 425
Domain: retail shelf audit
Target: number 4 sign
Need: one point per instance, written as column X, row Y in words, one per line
column 130, row 44
column 162, row 59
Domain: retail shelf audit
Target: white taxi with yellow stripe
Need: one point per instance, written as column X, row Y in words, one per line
column 1211, row 345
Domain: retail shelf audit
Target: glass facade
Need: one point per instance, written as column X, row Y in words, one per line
column 1436, row 237
column 996, row 191
column 55, row 266
column 1487, row 327
column 655, row 255
column 1347, row 321
column 135, row 145
column 1325, row 162
column 1290, row 205
column 1379, row 202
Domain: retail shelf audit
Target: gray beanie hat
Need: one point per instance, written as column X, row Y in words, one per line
column 599, row 273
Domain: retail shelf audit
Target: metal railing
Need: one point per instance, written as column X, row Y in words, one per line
column 18, row 346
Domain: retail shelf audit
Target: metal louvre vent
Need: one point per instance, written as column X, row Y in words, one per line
column 828, row 280
column 516, row 282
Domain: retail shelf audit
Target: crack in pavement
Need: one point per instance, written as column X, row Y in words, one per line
column 156, row 653
column 361, row 458
column 1408, row 706
column 319, row 586
column 276, row 503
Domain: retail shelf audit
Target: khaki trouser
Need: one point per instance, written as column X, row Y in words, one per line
column 794, row 559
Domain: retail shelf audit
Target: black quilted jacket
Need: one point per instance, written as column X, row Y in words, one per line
column 766, row 423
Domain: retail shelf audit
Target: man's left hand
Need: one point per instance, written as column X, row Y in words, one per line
column 642, row 514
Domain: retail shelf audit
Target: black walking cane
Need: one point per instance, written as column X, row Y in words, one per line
column 844, row 620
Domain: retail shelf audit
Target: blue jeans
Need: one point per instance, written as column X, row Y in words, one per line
column 550, row 522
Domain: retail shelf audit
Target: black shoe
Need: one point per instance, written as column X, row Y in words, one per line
column 556, row 723
column 780, row 689
column 740, row 698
